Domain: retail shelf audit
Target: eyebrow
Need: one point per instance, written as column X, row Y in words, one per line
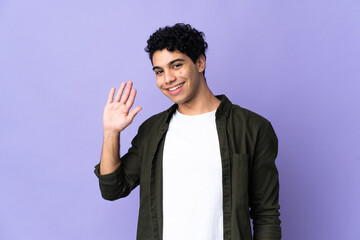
column 170, row 63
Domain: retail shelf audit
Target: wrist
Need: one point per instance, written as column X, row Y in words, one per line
column 111, row 134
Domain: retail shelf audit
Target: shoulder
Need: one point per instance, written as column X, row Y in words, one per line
column 241, row 116
column 239, row 119
column 158, row 121
column 154, row 120
column 247, row 116
column 256, row 129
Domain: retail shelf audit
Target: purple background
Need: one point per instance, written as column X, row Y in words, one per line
column 294, row 62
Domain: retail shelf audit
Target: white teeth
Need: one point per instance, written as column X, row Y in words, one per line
column 176, row 87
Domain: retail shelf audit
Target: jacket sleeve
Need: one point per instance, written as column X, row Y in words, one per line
column 123, row 180
column 264, row 186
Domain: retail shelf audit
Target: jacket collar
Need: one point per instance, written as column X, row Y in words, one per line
column 224, row 107
column 222, row 110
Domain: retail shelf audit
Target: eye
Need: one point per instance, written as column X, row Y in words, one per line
column 158, row 72
column 177, row 65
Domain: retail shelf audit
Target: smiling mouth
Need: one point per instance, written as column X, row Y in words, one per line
column 176, row 87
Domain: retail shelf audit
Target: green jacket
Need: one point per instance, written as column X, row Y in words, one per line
column 248, row 148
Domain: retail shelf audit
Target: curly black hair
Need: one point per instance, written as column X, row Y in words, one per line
column 181, row 37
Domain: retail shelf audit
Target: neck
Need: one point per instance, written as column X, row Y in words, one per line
column 204, row 101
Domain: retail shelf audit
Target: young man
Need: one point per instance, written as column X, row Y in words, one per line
column 201, row 164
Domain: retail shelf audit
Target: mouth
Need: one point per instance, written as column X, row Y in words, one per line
column 175, row 87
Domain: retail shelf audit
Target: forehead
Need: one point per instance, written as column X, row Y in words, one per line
column 162, row 57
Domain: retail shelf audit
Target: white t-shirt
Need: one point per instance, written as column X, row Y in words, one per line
column 192, row 179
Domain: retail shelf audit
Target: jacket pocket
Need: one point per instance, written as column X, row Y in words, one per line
column 240, row 179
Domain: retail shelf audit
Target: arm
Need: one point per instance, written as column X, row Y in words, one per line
column 264, row 186
column 115, row 119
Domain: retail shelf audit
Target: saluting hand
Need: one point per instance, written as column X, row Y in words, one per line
column 116, row 113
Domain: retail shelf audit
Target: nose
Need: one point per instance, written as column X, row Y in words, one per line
column 169, row 76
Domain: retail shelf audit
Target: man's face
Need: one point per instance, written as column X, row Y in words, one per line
column 177, row 76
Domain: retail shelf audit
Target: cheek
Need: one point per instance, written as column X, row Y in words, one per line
column 158, row 82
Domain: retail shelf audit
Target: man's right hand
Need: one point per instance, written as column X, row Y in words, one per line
column 116, row 118
column 116, row 113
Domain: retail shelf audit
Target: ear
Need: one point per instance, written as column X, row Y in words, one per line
column 201, row 63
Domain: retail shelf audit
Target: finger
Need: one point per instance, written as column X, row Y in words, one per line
column 133, row 112
column 125, row 95
column 120, row 91
column 131, row 99
column 111, row 95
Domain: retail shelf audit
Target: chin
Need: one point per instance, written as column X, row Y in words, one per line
column 179, row 100
column 175, row 99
